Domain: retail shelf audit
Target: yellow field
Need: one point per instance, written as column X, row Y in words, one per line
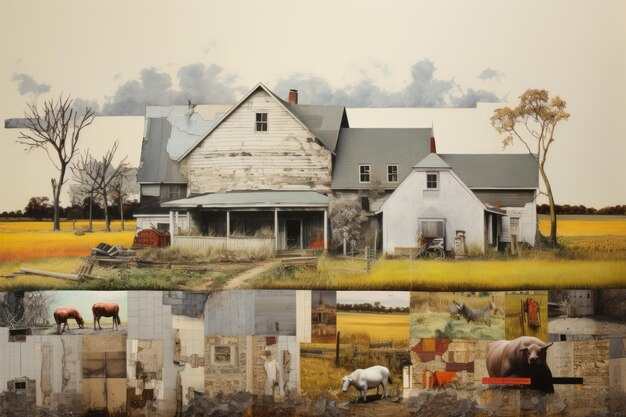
column 402, row 274
column 585, row 225
column 378, row 327
column 21, row 241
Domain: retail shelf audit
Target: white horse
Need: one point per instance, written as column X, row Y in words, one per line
column 364, row 379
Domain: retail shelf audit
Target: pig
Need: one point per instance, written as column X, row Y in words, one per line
column 524, row 357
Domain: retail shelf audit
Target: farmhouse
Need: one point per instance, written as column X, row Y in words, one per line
column 261, row 174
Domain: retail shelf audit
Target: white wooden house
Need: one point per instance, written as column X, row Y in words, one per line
column 487, row 197
column 260, row 174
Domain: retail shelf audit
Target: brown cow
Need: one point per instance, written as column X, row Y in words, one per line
column 62, row 314
column 524, row 357
column 106, row 310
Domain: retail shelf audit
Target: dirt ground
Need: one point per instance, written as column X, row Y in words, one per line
column 87, row 330
column 592, row 325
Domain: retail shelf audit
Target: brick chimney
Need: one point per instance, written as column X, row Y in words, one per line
column 293, row 96
column 433, row 145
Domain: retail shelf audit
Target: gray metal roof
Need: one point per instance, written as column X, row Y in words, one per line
column 156, row 165
column 250, row 199
column 432, row 160
column 495, row 170
column 324, row 122
column 378, row 148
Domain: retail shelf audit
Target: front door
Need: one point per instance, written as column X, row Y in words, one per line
column 294, row 233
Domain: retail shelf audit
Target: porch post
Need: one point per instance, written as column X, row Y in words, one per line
column 172, row 224
column 227, row 227
column 325, row 229
column 276, row 228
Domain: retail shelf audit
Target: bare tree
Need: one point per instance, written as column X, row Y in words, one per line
column 533, row 122
column 123, row 186
column 103, row 175
column 85, row 175
column 56, row 129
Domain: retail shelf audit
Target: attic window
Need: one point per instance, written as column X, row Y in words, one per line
column 261, row 122
column 392, row 173
column 364, row 173
column 432, row 181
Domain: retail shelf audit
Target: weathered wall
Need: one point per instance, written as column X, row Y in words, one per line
column 235, row 157
column 226, row 374
column 527, row 223
column 612, row 303
column 104, row 373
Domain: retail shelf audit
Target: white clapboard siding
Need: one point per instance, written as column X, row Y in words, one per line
column 223, row 243
column 235, row 157
column 303, row 316
column 527, row 223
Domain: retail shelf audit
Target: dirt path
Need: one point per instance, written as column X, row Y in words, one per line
column 242, row 280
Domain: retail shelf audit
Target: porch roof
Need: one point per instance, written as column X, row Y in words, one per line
column 252, row 199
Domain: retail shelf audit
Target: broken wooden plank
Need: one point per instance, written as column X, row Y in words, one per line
column 72, row 277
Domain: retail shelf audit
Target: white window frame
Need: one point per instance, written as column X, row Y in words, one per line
column 436, row 174
column 389, row 173
column 518, row 233
column 259, row 124
column 369, row 173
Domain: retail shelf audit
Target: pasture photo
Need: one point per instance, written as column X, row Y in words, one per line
column 65, row 312
column 457, row 315
column 526, row 314
column 321, row 377
column 366, row 317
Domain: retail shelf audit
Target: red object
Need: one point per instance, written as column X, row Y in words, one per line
column 532, row 309
column 433, row 145
column 293, row 96
column 152, row 238
column 317, row 244
column 438, row 379
column 506, row 381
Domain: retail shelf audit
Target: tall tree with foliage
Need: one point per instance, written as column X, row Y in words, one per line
column 56, row 129
column 346, row 218
column 533, row 122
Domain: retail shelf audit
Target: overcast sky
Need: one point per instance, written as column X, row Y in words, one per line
column 118, row 56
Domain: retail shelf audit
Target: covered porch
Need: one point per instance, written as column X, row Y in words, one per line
column 253, row 220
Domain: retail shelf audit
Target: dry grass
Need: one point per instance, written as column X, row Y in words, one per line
column 362, row 328
column 20, row 241
column 506, row 274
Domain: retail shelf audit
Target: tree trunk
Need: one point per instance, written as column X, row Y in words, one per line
column 107, row 220
column 121, row 212
column 90, row 212
column 55, row 206
column 544, row 177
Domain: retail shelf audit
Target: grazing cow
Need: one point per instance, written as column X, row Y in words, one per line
column 364, row 379
column 106, row 310
column 62, row 314
column 524, row 357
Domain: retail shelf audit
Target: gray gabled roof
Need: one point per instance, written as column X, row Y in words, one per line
column 324, row 122
column 432, row 160
column 378, row 148
column 248, row 199
column 156, row 165
column 495, row 170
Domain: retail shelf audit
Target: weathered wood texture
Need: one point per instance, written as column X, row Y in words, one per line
column 235, row 157
column 506, row 198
